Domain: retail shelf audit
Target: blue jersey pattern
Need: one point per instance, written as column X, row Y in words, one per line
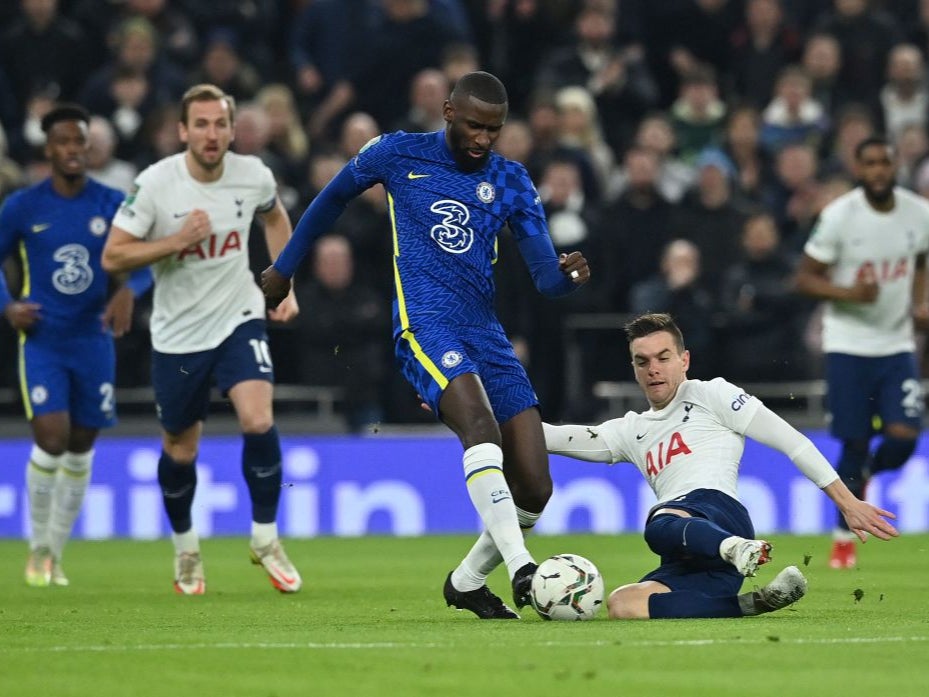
column 445, row 226
column 60, row 242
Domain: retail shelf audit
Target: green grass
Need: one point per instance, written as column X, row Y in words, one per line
column 371, row 621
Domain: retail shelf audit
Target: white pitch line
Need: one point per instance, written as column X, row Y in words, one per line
column 316, row 646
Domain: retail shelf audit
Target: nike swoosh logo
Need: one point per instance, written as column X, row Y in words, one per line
column 264, row 369
column 638, row 437
column 416, row 176
column 181, row 215
column 41, row 226
column 502, row 498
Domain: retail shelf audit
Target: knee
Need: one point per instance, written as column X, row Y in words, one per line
column 533, row 495
column 257, row 424
column 628, row 603
column 53, row 444
column 181, row 452
column 480, row 427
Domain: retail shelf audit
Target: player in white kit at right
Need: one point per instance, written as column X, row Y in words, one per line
column 867, row 258
column 688, row 447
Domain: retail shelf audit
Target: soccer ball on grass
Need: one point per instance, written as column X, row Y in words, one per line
column 567, row 587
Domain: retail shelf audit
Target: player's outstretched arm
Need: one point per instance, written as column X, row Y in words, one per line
column 770, row 429
column 580, row 442
column 275, row 285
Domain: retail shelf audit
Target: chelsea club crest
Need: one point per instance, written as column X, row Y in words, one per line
column 97, row 225
column 485, row 192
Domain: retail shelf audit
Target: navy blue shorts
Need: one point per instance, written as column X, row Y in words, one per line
column 75, row 376
column 713, row 577
column 431, row 358
column 182, row 381
column 864, row 387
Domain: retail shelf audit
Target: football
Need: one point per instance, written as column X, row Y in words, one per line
column 567, row 587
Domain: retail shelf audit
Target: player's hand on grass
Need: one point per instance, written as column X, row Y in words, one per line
column 286, row 310
column 118, row 312
column 575, row 266
column 275, row 286
column 22, row 314
column 864, row 518
column 196, row 228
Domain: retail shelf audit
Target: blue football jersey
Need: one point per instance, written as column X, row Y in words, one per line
column 445, row 225
column 60, row 242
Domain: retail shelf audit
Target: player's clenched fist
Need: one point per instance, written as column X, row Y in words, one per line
column 196, row 228
column 274, row 285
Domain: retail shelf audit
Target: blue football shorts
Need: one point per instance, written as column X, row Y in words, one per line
column 432, row 357
column 864, row 387
column 75, row 376
column 714, row 577
column 182, row 381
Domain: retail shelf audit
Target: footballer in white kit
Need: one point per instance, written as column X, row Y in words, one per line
column 689, row 446
column 188, row 217
column 866, row 257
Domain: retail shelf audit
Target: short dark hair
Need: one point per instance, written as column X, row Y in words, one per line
column 652, row 322
column 868, row 142
column 64, row 112
column 206, row 92
column 480, row 85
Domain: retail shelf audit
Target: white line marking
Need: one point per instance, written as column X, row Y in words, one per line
column 443, row 645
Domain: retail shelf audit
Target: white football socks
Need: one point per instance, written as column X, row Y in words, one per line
column 490, row 495
column 263, row 534
column 70, row 486
column 40, row 486
column 484, row 556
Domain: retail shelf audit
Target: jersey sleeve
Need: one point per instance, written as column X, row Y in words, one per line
column 732, row 405
column 267, row 189
column 823, row 244
column 136, row 215
column 527, row 218
column 370, row 164
column 601, row 443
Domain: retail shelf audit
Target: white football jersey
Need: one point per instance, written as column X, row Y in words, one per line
column 695, row 442
column 204, row 292
column 857, row 241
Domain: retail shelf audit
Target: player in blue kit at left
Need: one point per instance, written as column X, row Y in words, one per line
column 449, row 196
column 66, row 325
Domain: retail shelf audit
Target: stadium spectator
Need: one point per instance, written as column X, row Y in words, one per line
column 688, row 446
column 611, row 68
column 343, row 341
column 761, row 48
column 223, row 65
column 873, row 279
column 132, row 83
column 866, row 34
column 43, row 51
column 904, row 98
column 679, row 288
column 288, row 140
column 67, row 325
column 763, row 318
column 444, row 298
column 790, row 195
column 711, row 217
column 102, row 163
column 634, row 229
column 675, row 177
column 742, row 145
column 427, row 95
column 793, row 116
column 822, row 60
column 698, row 114
column 208, row 319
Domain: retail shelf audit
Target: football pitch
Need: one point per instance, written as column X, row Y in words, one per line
column 370, row 620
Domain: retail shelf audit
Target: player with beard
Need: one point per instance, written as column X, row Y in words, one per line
column 66, row 327
column 866, row 258
column 449, row 197
column 189, row 216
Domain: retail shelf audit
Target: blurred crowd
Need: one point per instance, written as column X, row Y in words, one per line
column 685, row 146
